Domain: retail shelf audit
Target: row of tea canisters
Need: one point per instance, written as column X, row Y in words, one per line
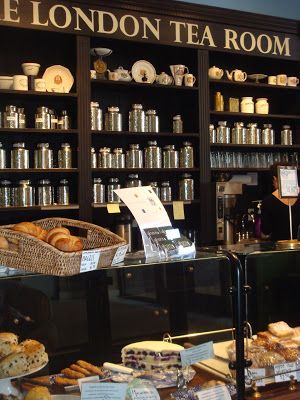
column 24, row 194
column 139, row 120
column 105, row 193
column 152, row 156
column 252, row 134
column 43, row 156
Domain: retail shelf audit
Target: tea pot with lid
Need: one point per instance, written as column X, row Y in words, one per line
column 236, row 75
column 215, row 72
column 164, row 79
column 124, row 74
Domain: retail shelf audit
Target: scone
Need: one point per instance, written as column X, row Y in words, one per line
column 38, row 393
column 8, row 337
column 14, row 364
column 7, row 348
column 34, row 352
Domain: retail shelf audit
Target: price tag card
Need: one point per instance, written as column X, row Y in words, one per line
column 146, row 393
column 178, row 210
column 288, row 181
column 257, row 375
column 87, row 379
column 120, row 254
column 198, row 353
column 284, row 371
column 215, row 393
column 103, row 391
column 113, row 208
column 89, row 260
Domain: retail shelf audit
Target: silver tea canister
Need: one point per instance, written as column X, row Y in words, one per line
column 2, row 157
column 19, row 156
column 42, row 118
column 186, row 156
column 118, row 158
column 104, row 157
column 96, row 117
column 24, row 194
column 137, row 120
column 267, row 135
column 134, row 156
column 286, row 135
column 10, row 117
column 212, row 134
column 43, row 156
column 239, row 133
column 113, row 119
column 93, row 158
column 152, row 121
column 155, row 188
column 113, row 184
column 98, row 191
column 133, row 181
column 223, row 132
column 253, row 134
column 5, row 193
column 63, row 192
column 177, row 124
column 152, row 155
column 64, row 121
column 186, row 187
column 53, row 119
column 65, row 156
column 21, row 118
column 165, row 191
column 44, row 193
column 170, row 157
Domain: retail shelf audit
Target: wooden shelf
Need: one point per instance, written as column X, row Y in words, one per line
column 107, row 82
column 240, row 169
column 252, row 84
column 40, row 131
column 37, row 170
column 53, row 207
column 255, row 146
column 146, row 134
column 165, row 203
column 267, row 116
column 145, row 170
column 33, row 93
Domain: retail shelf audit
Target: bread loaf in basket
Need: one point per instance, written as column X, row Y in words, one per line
column 32, row 254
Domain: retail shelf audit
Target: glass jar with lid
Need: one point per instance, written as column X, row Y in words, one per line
column 98, row 191
column 152, row 155
column 43, row 156
column 113, row 119
column 137, row 120
column 155, row 188
column 152, row 121
column 186, row 155
column 133, row 181
column 104, row 158
column 19, row 156
column 24, row 194
column 170, row 157
column 134, row 156
column 65, row 156
column 186, row 187
column 44, row 193
column 165, row 191
column 177, row 124
column 118, row 158
column 113, row 184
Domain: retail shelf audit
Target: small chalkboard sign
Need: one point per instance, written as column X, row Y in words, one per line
column 288, row 181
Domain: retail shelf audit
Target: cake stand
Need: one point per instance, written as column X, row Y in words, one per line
column 6, row 386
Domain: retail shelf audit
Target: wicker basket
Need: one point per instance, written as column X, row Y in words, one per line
column 31, row 254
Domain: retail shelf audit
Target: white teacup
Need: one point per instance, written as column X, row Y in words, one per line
column 93, row 74
column 272, row 80
column 189, row 79
column 292, row 81
column 281, row 79
column 178, row 79
column 20, row 82
column 40, row 85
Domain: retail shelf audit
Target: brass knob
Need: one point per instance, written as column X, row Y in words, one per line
column 190, row 269
column 128, row 275
column 165, row 311
column 156, row 313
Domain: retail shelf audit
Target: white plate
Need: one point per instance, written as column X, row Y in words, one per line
column 100, row 51
column 142, row 69
column 32, row 371
column 58, row 79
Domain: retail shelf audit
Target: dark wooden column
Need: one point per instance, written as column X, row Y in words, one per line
column 206, row 225
column 84, row 136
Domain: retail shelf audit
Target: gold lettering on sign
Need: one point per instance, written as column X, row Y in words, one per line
column 148, row 24
column 10, row 14
column 36, row 14
column 280, row 47
column 230, row 39
column 67, row 16
column 252, row 40
column 80, row 15
column 207, row 36
column 178, row 26
column 268, row 42
column 104, row 15
column 123, row 28
column 192, row 32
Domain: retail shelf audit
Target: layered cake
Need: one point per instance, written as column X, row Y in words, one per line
column 150, row 355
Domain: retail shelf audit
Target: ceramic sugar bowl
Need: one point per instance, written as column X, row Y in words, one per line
column 262, row 106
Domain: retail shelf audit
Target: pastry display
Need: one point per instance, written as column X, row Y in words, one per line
column 151, row 355
column 80, row 369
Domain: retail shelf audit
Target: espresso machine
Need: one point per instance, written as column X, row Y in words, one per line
column 226, row 198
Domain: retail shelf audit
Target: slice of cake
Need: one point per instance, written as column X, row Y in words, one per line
column 151, row 355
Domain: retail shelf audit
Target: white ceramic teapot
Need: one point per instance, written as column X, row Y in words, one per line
column 124, row 74
column 164, row 79
column 236, row 75
column 215, row 72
